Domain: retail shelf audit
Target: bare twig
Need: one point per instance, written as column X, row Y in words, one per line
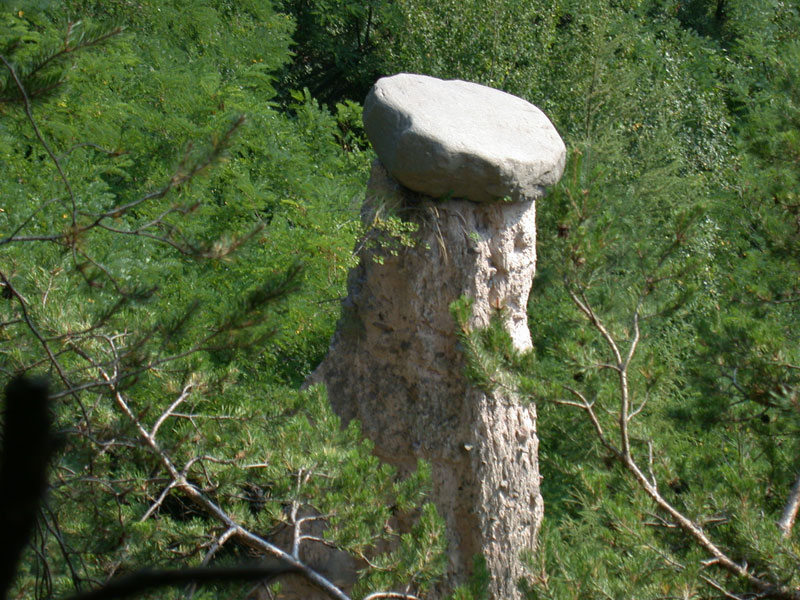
column 650, row 464
column 165, row 415
column 12, row 237
column 649, row 485
column 159, row 501
column 319, row 540
column 720, row 589
column 213, row 510
column 297, row 531
column 588, row 407
column 53, row 528
column 216, row 545
column 392, row 595
column 141, row 581
column 786, row 522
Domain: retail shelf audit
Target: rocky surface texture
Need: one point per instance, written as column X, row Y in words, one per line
column 461, row 139
column 394, row 362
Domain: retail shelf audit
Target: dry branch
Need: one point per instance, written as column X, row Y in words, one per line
column 718, row 556
column 786, row 522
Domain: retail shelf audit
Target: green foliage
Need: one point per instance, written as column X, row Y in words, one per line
column 676, row 215
column 154, row 247
column 492, row 361
column 406, row 564
column 500, row 44
column 172, row 253
column 351, row 135
column 477, row 588
column 387, row 235
column 340, row 46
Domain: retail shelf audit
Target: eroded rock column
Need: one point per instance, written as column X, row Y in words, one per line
column 466, row 164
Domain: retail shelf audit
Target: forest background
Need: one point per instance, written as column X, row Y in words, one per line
column 180, row 184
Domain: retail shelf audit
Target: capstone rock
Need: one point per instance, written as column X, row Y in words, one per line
column 460, row 139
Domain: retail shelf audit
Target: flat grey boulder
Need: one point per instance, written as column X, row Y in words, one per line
column 460, row 139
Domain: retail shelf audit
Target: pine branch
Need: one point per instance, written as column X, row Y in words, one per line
column 213, row 510
column 29, row 113
column 67, row 49
column 146, row 580
column 766, row 588
column 38, row 81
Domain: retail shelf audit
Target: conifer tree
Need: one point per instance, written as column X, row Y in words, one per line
column 156, row 210
column 664, row 311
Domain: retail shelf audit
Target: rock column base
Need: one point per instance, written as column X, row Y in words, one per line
column 394, row 364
